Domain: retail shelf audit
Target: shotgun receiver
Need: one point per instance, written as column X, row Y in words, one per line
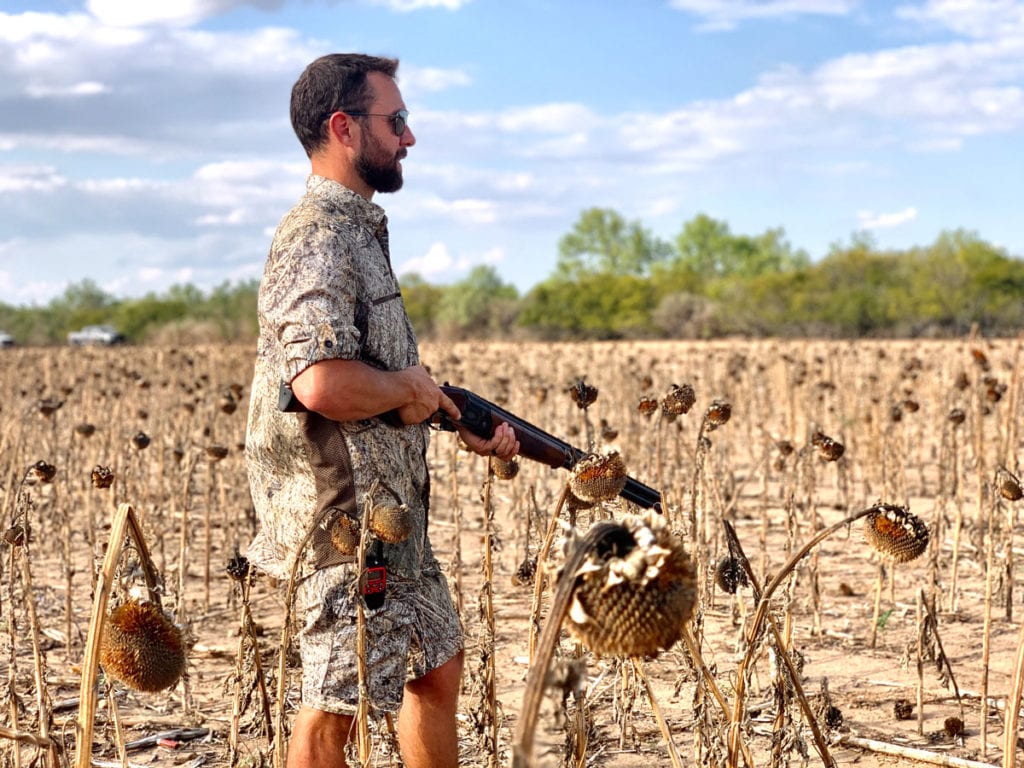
column 481, row 417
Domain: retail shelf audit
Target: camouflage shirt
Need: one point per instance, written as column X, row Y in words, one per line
column 328, row 291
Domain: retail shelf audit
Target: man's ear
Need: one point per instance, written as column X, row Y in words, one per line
column 341, row 127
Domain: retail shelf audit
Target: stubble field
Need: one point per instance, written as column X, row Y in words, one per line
column 897, row 662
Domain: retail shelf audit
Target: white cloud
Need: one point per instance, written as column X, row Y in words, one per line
column 236, row 217
column 658, row 207
column 125, row 263
column 39, row 178
column 435, row 261
column 405, row 6
column 494, row 256
column 69, row 143
column 88, row 88
column 726, row 14
column 973, row 18
column 132, row 13
column 415, row 80
column 121, row 186
column 145, row 279
column 566, row 118
column 438, row 262
column 946, row 144
column 869, row 220
column 465, row 210
column 187, row 13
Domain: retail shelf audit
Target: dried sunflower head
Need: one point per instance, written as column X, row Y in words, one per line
column 729, row 574
column 902, row 709
column 953, row 727
column 608, row 432
column 718, row 413
column 828, row 449
column 238, row 567
column 597, row 478
column 391, row 523
column 833, row 717
column 228, row 402
column 49, row 406
column 17, row 535
column 1010, row 489
column 43, row 471
column 647, row 405
column 142, row 647
column 583, row 394
column 102, row 477
column 526, row 571
column 678, row 400
column 344, row 534
column 504, row 470
column 895, row 532
column 216, row 452
column 634, row 589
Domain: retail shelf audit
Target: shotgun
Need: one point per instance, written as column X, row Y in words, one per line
column 481, row 417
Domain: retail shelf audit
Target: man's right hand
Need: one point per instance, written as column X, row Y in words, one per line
column 427, row 397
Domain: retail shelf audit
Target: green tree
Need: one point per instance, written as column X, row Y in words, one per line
column 481, row 304
column 857, row 283
column 233, row 309
column 594, row 306
column 135, row 317
column 961, row 279
column 603, row 241
column 82, row 303
column 707, row 252
column 421, row 301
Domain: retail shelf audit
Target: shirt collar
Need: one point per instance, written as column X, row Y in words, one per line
column 339, row 194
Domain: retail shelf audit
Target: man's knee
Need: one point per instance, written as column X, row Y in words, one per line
column 442, row 683
column 318, row 738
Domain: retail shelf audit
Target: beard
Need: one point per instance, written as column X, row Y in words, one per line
column 381, row 174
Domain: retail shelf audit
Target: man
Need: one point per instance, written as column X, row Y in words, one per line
column 333, row 327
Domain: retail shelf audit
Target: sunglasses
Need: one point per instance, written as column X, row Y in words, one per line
column 399, row 120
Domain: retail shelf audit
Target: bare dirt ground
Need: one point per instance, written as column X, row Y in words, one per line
column 890, row 404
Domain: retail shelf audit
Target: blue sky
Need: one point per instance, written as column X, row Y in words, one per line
column 144, row 144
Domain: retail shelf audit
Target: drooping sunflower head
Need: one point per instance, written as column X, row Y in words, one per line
column 895, row 532
column 142, row 647
column 634, row 589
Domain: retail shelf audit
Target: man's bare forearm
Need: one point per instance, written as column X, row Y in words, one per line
column 348, row 390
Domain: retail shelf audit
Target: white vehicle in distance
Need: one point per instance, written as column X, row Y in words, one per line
column 6, row 340
column 98, row 335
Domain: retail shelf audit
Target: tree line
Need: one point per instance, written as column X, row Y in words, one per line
column 614, row 279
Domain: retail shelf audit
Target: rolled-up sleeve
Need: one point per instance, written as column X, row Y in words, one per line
column 311, row 307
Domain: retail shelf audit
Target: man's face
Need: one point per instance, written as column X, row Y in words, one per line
column 379, row 161
column 379, row 165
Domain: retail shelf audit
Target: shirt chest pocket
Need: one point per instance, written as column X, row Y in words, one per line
column 383, row 331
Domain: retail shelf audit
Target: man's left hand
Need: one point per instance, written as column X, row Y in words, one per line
column 502, row 445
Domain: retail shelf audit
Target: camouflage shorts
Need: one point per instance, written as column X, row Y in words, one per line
column 416, row 631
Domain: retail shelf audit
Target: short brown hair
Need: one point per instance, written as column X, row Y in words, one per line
column 333, row 83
